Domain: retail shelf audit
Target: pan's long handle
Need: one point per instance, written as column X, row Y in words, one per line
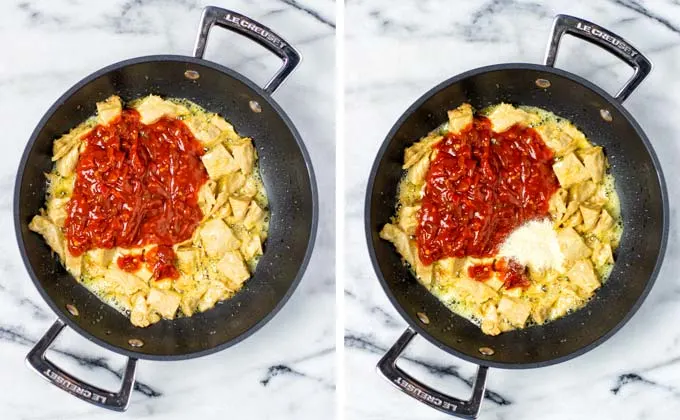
column 467, row 409
column 117, row 401
column 253, row 30
column 608, row 40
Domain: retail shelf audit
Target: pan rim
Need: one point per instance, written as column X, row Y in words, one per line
column 61, row 313
column 642, row 136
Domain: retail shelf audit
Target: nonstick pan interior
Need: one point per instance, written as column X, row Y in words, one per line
column 639, row 182
column 286, row 172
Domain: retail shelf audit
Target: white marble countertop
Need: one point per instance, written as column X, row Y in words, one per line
column 285, row 370
column 395, row 52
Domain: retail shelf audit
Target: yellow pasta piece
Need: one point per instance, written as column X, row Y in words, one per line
column 73, row 264
column 239, row 207
column 400, row 240
column 152, row 108
column 124, row 282
column 570, row 171
column 139, row 315
column 226, row 128
column 67, row 164
column 232, row 182
column 460, row 118
column 187, row 260
column 593, row 160
column 244, row 154
column 504, row 116
column 251, row 247
column 101, row 256
column 419, row 149
column 590, row 217
column 233, row 267
column 473, row 290
column 416, row 174
column 216, row 290
column 490, row 319
column 449, row 267
column 407, row 217
column 557, row 205
column 250, row 188
column 574, row 220
column 218, row 238
column 514, row 311
column 567, row 300
column 602, row 254
column 254, row 216
column 582, row 191
column 56, row 210
column 583, row 275
column 424, row 273
column 109, row 110
column 191, row 298
column 219, row 162
column 572, row 245
column 556, row 138
column 165, row 302
column 52, row 234
column 68, row 141
column 604, row 224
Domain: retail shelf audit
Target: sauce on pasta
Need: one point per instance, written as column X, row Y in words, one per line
column 480, row 186
column 136, row 185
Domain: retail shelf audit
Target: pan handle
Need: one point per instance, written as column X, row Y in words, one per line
column 467, row 409
column 253, row 30
column 117, row 401
column 565, row 24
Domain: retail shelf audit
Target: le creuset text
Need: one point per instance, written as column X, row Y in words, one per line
column 255, row 28
column 420, row 394
column 612, row 40
column 66, row 384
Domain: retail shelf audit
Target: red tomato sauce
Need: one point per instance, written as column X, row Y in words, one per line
column 510, row 272
column 136, row 185
column 130, row 262
column 479, row 272
column 480, row 186
column 159, row 260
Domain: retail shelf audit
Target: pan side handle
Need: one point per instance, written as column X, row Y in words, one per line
column 117, row 401
column 595, row 34
column 253, row 30
column 467, row 409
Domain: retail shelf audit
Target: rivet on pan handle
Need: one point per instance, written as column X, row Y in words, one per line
column 467, row 409
column 253, row 30
column 608, row 40
column 117, row 401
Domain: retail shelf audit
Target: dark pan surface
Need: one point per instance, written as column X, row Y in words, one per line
column 286, row 171
column 639, row 182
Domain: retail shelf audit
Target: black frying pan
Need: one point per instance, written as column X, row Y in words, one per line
column 288, row 178
column 639, row 181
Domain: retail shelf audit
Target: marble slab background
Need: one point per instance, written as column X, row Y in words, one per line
column 395, row 52
column 286, row 370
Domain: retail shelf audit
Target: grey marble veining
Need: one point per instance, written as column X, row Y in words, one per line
column 286, row 370
column 395, row 52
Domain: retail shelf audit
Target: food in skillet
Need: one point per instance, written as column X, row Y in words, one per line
column 509, row 216
column 157, row 208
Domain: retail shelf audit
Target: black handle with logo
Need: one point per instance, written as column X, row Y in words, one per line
column 467, row 409
column 608, row 40
column 253, row 30
column 117, row 401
